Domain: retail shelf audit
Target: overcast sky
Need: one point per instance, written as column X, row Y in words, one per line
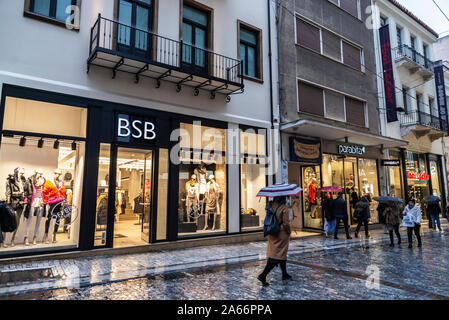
column 428, row 12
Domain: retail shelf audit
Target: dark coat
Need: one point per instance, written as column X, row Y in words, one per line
column 328, row 212
column 15, row 195
column 433, row 209
column 380, row 210
column 363, row 207
column 339, row 207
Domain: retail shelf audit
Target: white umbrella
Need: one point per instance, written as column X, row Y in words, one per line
column 280, row 190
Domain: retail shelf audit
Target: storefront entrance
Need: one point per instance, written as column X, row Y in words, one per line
column 133, row 197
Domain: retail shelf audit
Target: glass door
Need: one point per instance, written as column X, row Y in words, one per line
column 136, row 14
column 351, row 189
column 133, row 197
column 313, row 211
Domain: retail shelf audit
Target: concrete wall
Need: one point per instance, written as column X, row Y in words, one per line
column 319, row 69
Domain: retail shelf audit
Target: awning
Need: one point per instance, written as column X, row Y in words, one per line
column 334, row 133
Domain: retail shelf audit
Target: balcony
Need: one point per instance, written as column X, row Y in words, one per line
column 413, row 61
column 142, row 53
column 421, row 124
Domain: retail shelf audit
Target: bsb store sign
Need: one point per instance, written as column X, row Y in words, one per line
column 130, row 129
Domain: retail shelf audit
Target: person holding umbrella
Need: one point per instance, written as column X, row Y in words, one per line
column 392, row 221
column 434, row 210
column 277, row 228
column 362, row 214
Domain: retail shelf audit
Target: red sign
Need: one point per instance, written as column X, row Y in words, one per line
column 417, row 176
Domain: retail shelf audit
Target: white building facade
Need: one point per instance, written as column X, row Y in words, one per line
column 419, row 169
column 130, row 122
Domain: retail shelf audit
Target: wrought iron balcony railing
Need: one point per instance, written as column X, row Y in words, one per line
column 421, row 118
column 126, row 48
column 404, row 51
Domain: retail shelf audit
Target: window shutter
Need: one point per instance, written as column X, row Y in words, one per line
column 350, row 6
column 310, row 99
column 308, row 35
column 331, row 45
column 351, row 56
column 355, row 112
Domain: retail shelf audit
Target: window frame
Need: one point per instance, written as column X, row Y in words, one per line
column 341, row 38
column 345, row 95
column 259, row 50
column 359, row 11
column 29, row 12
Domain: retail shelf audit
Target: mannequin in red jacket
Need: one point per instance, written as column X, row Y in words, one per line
column 53, row 195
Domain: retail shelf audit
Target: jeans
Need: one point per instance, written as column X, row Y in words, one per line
column 395, row 228
column 39, row 211
column 410, row 231
column 436, row 221
column 359, row 225
column 345, row 222
column 52, row 211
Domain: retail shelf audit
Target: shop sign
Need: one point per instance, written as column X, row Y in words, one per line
column 134, row 128
column 354, row 150
column 390, row 163
column 418, row 176
column 441, row 96
column 387, row 63
column 305, row 150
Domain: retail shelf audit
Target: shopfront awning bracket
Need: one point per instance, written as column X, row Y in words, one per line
column 196, row 91
column 162, row 76
column 118, row 65
column 186, row 79
column 218, row 89
column 142, row 70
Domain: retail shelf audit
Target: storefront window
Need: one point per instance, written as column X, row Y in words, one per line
column 202, row 180
column 162, row 195
column 369, row 184
column 417, row 177
column 435, row 176
column 252, row 179
column 42, row 175
column 313, row 211
column 101, row 217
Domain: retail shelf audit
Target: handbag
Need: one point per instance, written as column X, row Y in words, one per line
column 8, row 218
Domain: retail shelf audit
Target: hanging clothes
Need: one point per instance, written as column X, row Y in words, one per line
column 138, row 204
column 312, row 193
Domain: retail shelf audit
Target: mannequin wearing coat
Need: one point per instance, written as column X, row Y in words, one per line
column 212, row 206
column 53, row 195
column 36, row 183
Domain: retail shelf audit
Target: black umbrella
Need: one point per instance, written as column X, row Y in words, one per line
column 433, row 199
column 388, row 199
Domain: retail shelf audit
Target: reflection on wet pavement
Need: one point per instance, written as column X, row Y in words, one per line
column 321, row 270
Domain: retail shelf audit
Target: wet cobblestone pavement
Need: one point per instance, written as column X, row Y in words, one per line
column 321, row 269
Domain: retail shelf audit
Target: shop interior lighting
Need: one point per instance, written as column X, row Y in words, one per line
column 40, row 143
column 56, row 144
column 23, row 141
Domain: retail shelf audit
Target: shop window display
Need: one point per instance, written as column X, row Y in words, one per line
column 42, row 176
column 252, row 178
column 417, row 178
column 313, row 211
column 369, row 184
column 202, row 180
column 435, row 178
column 101, row 217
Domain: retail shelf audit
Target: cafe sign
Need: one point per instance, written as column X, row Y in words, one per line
column 352, row 150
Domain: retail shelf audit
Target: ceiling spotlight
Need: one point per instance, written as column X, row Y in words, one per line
column 74, row 145
column 56, row 144
column 40, row 143
column 22, row 142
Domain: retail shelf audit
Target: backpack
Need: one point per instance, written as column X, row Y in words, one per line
column 270, row 224
column 358, row 212
column 8, row 219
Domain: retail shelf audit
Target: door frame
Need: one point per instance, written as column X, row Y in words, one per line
column 113, row 185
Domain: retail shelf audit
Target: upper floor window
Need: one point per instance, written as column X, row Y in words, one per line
column 250, row 48
column 329, row 44
column 59, row 10
column 383, row 21
column 413, row 42
column 405, row 99
column 399, row 35
column 331, row 105
column 195, row 25
column 350, row 6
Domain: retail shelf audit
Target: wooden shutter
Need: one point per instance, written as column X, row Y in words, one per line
column 355, row 112
column 308, row 35
column 310, row 99
column 352, row 56
column 350, row 6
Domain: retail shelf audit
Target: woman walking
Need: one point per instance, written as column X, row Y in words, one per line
column 278, row 245
column 434, row 210
column 392, row 220
column 412, row 220
column 362, row 214
column 329, row 215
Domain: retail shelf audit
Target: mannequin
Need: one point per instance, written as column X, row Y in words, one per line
column 53, row 195
column 200, row 173
column 313, row 187
column 17, row 192
column 192, row 197
column 212, row 194
column 36, row 208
